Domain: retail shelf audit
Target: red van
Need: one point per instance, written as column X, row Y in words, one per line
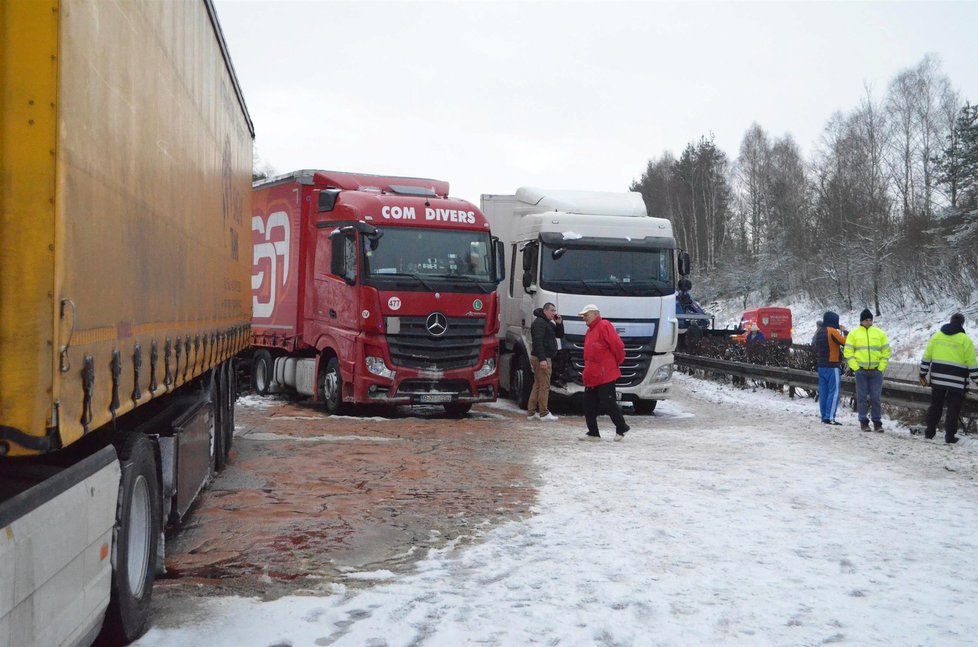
column 774, row 323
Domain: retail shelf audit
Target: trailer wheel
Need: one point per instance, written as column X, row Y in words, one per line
column 457, row 409
column 231, row 395
column 645, row 407
column 137, row 531
column 261, row 372
column 332, row 387
column 224, row 415
column 521, row 381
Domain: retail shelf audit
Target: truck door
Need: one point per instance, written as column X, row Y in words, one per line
column 335, row 303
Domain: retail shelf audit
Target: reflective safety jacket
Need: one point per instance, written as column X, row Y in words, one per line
column 867, row 349
column 950, row 359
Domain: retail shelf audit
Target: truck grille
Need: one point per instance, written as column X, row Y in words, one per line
column 418, row 387
column 638, row 357
column 459, row 347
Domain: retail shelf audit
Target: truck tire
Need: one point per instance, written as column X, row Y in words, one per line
column 261, row 372
column 135, row 542
column 458, row 409
column 231, row 395
column 521, row 381
column 224, row 415
column 645, row 407
column 331, row 387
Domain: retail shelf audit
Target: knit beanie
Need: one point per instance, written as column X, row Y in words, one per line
column 865, row 314
column 958, row 319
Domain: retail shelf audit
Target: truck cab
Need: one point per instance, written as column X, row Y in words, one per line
column 374, row 290
column 572, row 248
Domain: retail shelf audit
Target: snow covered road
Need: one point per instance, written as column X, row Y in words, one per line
column 730, row 518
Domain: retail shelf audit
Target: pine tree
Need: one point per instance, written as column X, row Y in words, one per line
column 957, row 167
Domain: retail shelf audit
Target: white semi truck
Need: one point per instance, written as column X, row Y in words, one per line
column 573, row 248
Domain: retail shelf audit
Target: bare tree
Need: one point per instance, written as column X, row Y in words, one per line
column 917, row 107
column 752, row 174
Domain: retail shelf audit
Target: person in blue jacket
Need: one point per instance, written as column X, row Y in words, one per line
column 755, row 333
column 829, row 344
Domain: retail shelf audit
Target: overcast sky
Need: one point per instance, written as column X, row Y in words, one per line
column 491, row 96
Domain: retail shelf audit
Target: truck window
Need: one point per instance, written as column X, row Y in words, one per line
column 427, row 255
column 596, row 269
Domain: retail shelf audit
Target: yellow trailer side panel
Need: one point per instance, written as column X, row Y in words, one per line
column 153, row 168
column 28, row 129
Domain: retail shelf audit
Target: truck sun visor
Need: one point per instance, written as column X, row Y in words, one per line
column 557, row 239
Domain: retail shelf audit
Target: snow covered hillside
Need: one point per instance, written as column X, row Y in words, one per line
column 908, row 329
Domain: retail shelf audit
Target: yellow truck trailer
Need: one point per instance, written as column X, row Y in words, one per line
column 125, row 263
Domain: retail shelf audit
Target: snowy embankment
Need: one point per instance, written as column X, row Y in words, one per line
column 908, row 328
column 729, row 518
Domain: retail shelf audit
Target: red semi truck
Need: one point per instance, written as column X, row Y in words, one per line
column 373, row 290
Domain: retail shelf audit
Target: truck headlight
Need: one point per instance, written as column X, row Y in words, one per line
column 488, row 368
column 662, row 374
column 377, row 366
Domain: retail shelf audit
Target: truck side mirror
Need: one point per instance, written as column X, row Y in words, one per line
column 527, row 280
column 373, row 239
column 499, row 250
column 557, row 253
column 683, row 263
column 529, row 256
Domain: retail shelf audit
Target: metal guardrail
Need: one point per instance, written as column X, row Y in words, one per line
column 899, row 394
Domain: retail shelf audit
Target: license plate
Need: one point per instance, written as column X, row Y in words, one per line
column 435, row 397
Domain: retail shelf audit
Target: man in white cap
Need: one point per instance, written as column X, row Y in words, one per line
column 603, row 353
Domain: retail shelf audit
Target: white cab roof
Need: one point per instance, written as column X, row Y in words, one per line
column 595, row 203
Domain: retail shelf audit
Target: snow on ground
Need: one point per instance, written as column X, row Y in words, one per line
column 732, row 517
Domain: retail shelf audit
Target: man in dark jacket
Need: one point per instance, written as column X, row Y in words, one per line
column 829, row 342
column 544, row 331
column 950, row 360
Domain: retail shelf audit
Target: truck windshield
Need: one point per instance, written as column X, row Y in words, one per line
column 608, row 270
column 430, row 259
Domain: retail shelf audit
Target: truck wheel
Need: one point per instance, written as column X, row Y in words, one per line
column 135, row 542
column 521, row 381
column 645, row 407
column 231, row 396
column 224, row 410
column 261, row 372
column 458, row 409
column 332, row 387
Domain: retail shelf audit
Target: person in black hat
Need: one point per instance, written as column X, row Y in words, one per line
column 950, row 360
column 867, row 351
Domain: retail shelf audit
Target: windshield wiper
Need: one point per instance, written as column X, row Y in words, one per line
column 643, row 285
column 414, row 275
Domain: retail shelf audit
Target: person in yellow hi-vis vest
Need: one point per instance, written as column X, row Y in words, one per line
column 950, row 360
column 867, row 351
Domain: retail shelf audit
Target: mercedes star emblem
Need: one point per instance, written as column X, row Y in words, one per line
column 437, row 324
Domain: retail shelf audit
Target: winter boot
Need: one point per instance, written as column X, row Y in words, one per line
column 878, row 426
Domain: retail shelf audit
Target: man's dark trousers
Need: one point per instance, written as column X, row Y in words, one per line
column 939, row 397
column 602, row 398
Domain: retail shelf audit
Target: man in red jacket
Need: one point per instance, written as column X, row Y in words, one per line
column 603, row 352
